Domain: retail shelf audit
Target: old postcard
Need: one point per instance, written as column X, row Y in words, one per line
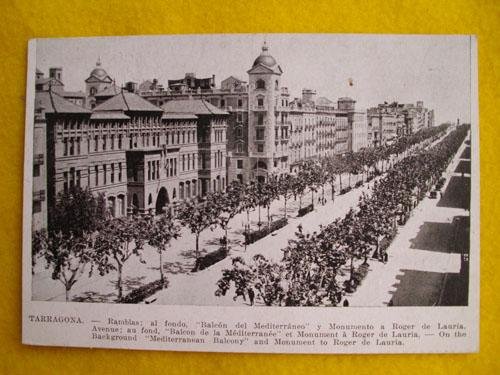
column 288, row 193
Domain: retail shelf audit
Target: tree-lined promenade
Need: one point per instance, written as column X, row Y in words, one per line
column 102, row 245
column 308, row 274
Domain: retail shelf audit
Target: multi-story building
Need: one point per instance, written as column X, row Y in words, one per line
column 146, row 147
column 141, row 157
column 267, row 131
column 209, row 158
column 388, row 121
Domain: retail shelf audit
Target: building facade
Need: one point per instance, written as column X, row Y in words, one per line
column 147, row 146
column 140, row 157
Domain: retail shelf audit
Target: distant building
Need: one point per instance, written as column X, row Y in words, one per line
column 98, row 81
column 190, row 82
column 388, row 121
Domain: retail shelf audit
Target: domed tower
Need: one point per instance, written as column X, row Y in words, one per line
column 97, row 81
column 264, row 91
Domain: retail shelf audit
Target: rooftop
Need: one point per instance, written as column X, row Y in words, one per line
column 54, row 103
column 193, row 106
column 127, row 102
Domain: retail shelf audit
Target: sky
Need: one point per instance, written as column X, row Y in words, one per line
column 435, row 69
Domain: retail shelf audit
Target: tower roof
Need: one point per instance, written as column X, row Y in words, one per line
column 265, row 58
column 98, row 72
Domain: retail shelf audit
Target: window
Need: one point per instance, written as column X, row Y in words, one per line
column 112, row 173
column 149, row 170
column 119, row 172
column 181, row 190
column 65, row 145
column 78, row 178
column 260, row 84
column 239, row 147
column 71, row 146
column 104, row 143
column 189, row 161
column 96, row 168
column 183, row 163
column 260, row 119
column 260, row 102
column 239, row 132
column 36, row 170
column 239, row 164
column 37, row 206
column 259, row 134
column 260, row 148
column 104, row 178
column 222, row 103
column 65, row 179
column 119, row 142
column 112, row 141
column 72, row 178
column 240, row 103
column 276, row 85
column 194, row 165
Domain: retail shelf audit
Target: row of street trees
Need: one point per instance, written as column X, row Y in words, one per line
column 308, row 272
column 83, row 237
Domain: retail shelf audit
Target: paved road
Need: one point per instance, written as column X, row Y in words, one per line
column 423, row 253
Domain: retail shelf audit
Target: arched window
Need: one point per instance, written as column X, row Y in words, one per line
column 276, row 85
column 260, row 84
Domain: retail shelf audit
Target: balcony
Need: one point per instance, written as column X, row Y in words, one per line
column 258, row 140
column 259, row 108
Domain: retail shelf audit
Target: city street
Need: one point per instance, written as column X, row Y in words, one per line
column 197, row 288
column 423, row 253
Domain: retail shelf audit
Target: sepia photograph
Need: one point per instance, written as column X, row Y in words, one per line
column 252, row 170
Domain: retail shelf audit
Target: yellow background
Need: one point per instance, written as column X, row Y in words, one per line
column 21, row 20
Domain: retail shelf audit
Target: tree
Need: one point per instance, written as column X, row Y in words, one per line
column 67, row 246
column 262, row 275
column 331, row 165
column 77, row 211
column 39, row 240
column 117, row 241
column 285, row 188
column 311, row 264
column 160, row 233
column 199, row 215
column 66, row 255
column 299, row 186
column 230, row 204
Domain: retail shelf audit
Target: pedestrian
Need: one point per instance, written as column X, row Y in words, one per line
column 386, row 257
column 346, row 303
column 251, row 295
